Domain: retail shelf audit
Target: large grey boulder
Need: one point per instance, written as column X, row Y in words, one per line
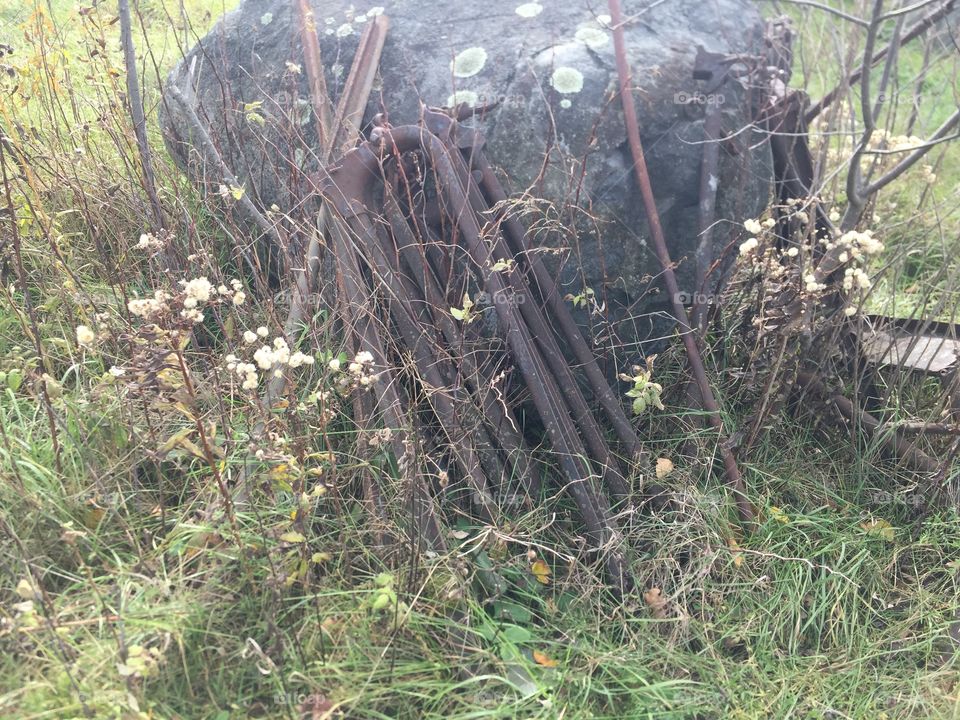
column 558, row 130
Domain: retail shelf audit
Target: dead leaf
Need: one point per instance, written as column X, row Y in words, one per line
column 664, row 467
column 735, row 551
column 656, row 602
column 541, row 659
column 541, row 571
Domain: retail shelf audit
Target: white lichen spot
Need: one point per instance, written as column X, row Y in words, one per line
column 329, row 20
column 592, row 37
column 469, row 62
column 529, row 10
column 566, row 104
column 567, row 80
column 345, row 30
column 604, row 20
column 468, row 97
column 360, row 19
column 266, row 19
column 375, row 11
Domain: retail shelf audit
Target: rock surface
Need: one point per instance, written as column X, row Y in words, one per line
column 557, row 132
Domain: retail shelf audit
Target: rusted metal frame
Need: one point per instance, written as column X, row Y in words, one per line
column 362, row 74
column 372, row 492
column 358, row 316
column 419, row 340
column 498, row 415
column 601, row 529
column 559, row 311
column 792, row 161
column 715, row 69
column 543, row 335
column 322, row 110
column 734, row 478
column 334, row 138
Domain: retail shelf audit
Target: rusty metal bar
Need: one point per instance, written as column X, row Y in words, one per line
column 734, row 479
column 601, row 529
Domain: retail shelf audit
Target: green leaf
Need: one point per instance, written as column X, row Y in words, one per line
column 515, row 634
column 14, row 380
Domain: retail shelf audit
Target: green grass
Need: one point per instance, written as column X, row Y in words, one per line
column 146, row 601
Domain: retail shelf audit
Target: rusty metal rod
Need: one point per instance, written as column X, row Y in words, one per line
column 734, row 479
column 601, row 529
column 497, row 414
column 540, row 329
column 516, row 236
column 418, row 340
column 357, row 317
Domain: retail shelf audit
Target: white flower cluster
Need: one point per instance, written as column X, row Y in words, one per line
column 149, row 242
column 754, row 227
column 749, row 245
column 855, row 278
column 856, row 245
column 245, row 371
column 250, row 337
column 883, row 140
column 811, row 284
column 194, row 293
column 148, row 308
column 85, row 336
column 266, row 358
column 358, row 371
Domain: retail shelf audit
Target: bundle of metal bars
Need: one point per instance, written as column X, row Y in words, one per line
column 417, row 214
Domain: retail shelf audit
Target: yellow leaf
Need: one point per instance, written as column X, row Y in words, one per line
column 779, row 515
column 25, row 589
column 541, row 659
column 664, row 467
column 92, row 515
column 293, row 537
column 170, row 378
column 735, row 551
column 879, row 528
column 541, row 571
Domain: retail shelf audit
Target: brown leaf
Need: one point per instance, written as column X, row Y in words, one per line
column 656, row 602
